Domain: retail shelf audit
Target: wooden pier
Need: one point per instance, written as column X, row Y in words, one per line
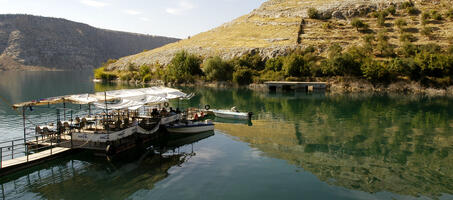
column 23, row 162
column 279, row 86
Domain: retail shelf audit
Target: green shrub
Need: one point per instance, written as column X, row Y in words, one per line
column 313, row 13
column 449, row 13
column 217, row 69
column 391, row 9
column 243, row 76
column 294, row 65
column 274, row 64
column 408, row 49
column 425, row 18
column 375, row 14
column 401, row 23
column 384, row 47
column 427, row 31
column 272, row 76
column 132, row 68
column 406, row 37
column 412, row 11
column 126, row 76
column 147, row 78
column 450, row 50
column 434, row 65
column 381, row 20
column 251, row 61
column 359, row 24
column 183, row 67
column 327, row 25
column 334, row 50
column 98, row 72
column 431, row 48
column 347, row 63
column 377, row 71
column 436, row 15
column 407, row 4
column 406, row 67
column 144, row 70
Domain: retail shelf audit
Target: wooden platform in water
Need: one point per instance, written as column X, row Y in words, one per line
column 33, row 159
column 289, row 85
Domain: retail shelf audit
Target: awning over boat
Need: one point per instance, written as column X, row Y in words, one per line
column 123, row 99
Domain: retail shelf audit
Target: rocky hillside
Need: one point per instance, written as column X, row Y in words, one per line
column 34, row 43
column 281, row 25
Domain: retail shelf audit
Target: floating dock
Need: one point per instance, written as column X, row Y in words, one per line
column 279, row 86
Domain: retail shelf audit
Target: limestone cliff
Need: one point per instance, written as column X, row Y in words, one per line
column 33, row 42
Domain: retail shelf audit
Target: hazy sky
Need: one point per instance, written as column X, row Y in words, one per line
column 176, row 18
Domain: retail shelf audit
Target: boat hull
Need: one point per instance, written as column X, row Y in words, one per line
column 191, row 128
column 231, row 115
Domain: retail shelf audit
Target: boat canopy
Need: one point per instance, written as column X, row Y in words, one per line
column 117, row 99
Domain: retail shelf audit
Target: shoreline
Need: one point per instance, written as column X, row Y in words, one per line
column 333, row 86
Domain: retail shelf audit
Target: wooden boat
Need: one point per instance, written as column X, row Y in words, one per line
column 190, row 127
column 233, row 114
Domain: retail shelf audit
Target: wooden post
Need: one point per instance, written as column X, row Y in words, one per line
column 51, row 146
column 89, row 109
column 106, row 112
column 25, row 134
column 64, row 110
column 1, row 157
column 12, row 149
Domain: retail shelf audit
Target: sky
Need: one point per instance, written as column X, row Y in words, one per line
column 173, row 18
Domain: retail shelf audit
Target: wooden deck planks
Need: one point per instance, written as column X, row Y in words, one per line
column 33, row 157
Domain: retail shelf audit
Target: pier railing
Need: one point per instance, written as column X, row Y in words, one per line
column 20, row 148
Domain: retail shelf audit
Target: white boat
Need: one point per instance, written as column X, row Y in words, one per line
column 191, row 127
column 232, row 114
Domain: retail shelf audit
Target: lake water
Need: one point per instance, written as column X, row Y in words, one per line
column 300, row 146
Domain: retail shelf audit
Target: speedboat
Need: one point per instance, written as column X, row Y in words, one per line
column 233, row 113
column 190, row 127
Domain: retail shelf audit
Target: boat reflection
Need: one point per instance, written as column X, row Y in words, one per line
column 83, row 176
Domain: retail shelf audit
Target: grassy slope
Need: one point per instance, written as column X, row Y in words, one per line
column 276, row 24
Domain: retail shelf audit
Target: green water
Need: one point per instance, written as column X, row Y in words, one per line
column 300, row 146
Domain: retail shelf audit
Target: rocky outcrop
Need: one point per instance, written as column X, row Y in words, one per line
column 65, row 45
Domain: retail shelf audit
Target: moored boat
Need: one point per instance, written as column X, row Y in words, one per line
column 190, row 127
column 233, row 114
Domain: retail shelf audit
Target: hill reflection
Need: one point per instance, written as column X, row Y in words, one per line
column 401, row 144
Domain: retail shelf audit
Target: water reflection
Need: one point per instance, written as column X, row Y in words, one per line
column 86, row 177
column 369, row 143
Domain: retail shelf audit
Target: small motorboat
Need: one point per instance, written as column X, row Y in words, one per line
column 190, row 127
column 233, row 113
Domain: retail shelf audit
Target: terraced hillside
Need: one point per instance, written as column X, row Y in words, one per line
column 279, row 25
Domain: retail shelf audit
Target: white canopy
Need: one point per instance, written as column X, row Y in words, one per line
column 123, row 99
column 136, row 98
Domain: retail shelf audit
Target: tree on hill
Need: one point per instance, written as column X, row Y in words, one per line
column 359, row 24
column 183, row 67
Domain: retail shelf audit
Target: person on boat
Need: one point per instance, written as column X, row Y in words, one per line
column 163, row 112
column 155, row 113
column 172, row 112
column 195, row 117
column 234, row 109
